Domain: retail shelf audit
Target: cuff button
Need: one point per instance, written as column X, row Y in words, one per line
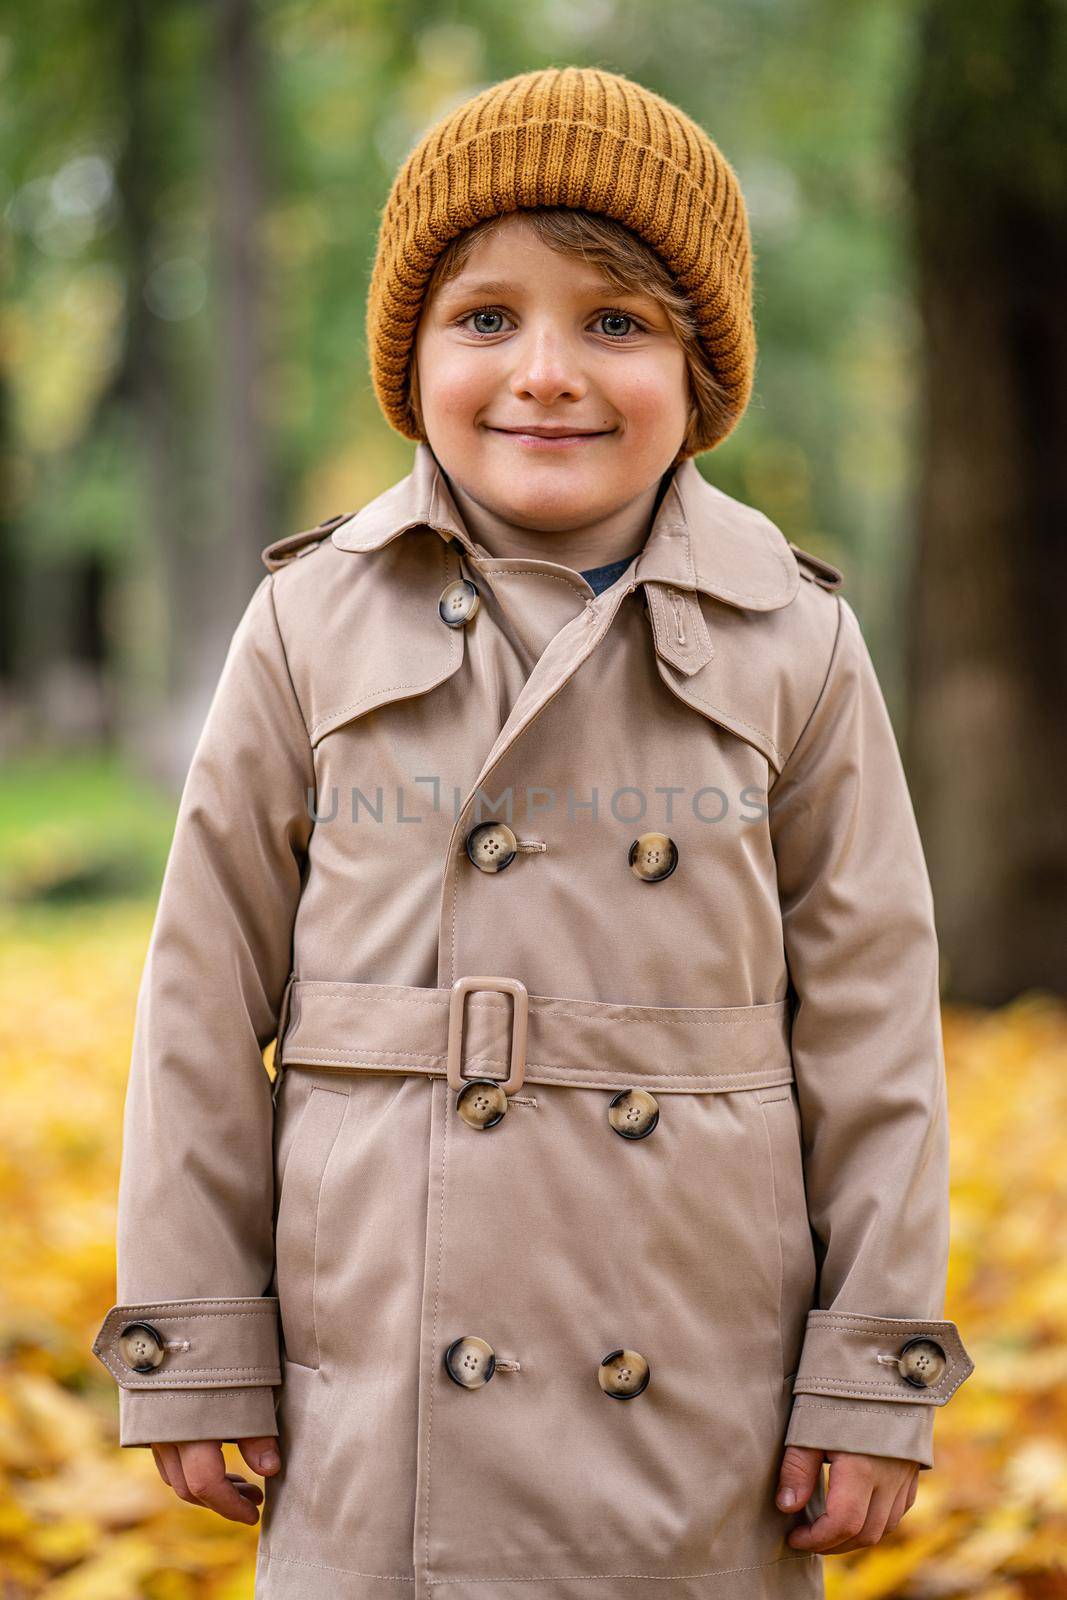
column 141, row 1346
column 922, row 1362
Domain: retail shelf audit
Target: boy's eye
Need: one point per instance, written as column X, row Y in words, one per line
column 618, row 316
column 490, row 313
column 487, row 315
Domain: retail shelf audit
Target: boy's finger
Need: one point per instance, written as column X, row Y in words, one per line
column 900, row 1505
column 261, row 1454
column 798, row 1476
column 172, row 1460
column 208, row 1484
column 874, row 1524
column 250, row 1491
column 848, row 1500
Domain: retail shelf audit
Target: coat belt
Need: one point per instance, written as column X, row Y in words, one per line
column 504, row 1033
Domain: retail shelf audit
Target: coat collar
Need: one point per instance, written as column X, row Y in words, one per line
column 701, row 538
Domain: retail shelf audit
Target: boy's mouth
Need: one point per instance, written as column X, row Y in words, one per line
column 548, row 438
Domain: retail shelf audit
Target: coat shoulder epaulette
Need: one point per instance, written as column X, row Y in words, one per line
column 292, row 545
column 816, row 570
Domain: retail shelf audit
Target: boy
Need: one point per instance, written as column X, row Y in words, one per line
column 549, row 813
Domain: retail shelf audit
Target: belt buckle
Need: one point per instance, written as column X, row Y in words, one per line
column 520, row 1017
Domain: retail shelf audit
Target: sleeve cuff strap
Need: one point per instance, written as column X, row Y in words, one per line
column 881, row 1358
column 192, row 1344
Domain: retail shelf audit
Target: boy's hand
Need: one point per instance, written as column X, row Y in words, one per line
column 865, row 1499
column 196, row 1471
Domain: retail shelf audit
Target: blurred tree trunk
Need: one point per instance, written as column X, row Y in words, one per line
column 145, row 380
column 987, row 736
column 243, row 522
column 206, row 493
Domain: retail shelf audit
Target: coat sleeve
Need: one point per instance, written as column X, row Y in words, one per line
column 857, row 916
column 195, row 1234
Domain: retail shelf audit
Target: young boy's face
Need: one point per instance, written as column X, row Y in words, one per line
column 520, row 339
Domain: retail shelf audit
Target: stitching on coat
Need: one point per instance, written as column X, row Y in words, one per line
column 165, row 1308
column 846, row 1387
column 777, row 1227
column 455, row 899
column 322, row 1566
column 901, row 1324
column 164, row 1381
column 588, row 1577
column 645, row 1577
column 529, row 572
column 802, row 1403
column 433, row 1339
column 197, row 1394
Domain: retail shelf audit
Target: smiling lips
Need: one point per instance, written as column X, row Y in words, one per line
column 545, row 437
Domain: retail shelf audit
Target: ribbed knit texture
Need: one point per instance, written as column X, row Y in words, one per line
column 568, row 136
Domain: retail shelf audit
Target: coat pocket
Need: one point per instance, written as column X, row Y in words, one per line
column 797, row 1268
column 296, row 1224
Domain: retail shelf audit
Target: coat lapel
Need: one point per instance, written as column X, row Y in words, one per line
column 711, row 570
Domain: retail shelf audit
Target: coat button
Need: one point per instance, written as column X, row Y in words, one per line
column 458, row 603
column 623, row 1374
column 922, row 1362
column 491, row 846
column 481, row 1103
column 470, row 1361
column 141, row 1346
column 633, row 1113
column 653, row 856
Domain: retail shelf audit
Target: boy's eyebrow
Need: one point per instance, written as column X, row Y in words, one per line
column 461, row 286
column 482, row 286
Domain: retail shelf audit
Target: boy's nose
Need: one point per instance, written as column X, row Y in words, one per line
column 547, row 368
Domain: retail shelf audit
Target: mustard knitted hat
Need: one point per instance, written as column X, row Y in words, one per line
column 568, row 136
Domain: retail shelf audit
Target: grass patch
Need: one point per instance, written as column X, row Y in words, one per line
column 77, row 828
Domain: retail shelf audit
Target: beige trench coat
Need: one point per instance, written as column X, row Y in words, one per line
column 546, row 1336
